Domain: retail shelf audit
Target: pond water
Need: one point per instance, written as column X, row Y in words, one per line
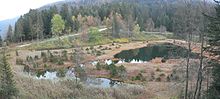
column 90, row 81
column 163, row 50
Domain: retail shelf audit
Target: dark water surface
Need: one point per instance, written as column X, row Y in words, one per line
column 163, row 50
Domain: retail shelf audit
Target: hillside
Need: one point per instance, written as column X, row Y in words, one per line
column 4, row 25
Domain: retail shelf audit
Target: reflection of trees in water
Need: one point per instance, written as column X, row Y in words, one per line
column 164, row 50
column 112, row 83
column 80, row 73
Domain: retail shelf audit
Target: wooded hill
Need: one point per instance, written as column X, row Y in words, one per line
column 121, row 15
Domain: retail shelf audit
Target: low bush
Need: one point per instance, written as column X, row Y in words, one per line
column 19, row 61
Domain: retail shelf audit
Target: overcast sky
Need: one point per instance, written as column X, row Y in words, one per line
column 12, row 8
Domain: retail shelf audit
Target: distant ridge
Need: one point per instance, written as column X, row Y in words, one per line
column 4, row 25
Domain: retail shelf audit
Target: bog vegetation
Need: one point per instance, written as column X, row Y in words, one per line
column 150, row 47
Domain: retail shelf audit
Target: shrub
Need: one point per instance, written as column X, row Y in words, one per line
column 36, row 57
column 60, row 62
column 26, row 69
column 113, row 70
column 162, row 75
column 139, row 77
column 45, row 66
column 98, row 66
column 98, row 53
column 61, row 73
column 19, row 61
column 87, row 49
column 45, row 59
column 168, row 78
column 121, row 40
column 163, row 60
column 122, row 71
column 27, row 58
column 94, row 35
column 100, row 46
column 35, row 65
column 39, row 73
column 158, row 79
column 64, row 55
column 43, row 54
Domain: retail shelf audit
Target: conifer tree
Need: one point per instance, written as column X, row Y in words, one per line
column 214, row 41
column 1, row 41
column 9, row 33
column 7, row 84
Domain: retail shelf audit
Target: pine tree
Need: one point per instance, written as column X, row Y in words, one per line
column 19, row 30
column 9, row 33
column 1, row 41
column 7, row 84
column 214, row 41
column 115, row 26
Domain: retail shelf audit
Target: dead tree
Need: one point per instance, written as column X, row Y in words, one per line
column 188, row 30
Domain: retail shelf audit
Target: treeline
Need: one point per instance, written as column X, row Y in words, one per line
column 122, row 16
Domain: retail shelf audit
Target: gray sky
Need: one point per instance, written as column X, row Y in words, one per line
column 12, row 8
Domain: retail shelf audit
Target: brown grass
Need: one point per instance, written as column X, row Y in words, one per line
column 67, row 89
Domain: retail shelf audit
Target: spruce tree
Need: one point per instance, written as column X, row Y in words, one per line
column 1, row 41
column 9, row 33
column 214, row 41
column 7, row 84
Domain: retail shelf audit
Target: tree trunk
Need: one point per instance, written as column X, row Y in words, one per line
column 199, row 80
column 187, row 65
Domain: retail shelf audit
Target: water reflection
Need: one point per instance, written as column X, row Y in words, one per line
column 91, row 81
column 163, row 50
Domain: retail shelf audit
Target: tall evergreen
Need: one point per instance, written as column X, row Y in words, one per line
column 115, row 26
column 214, row 41
column 19, row 33
column 1, row 41
column 7, row 84
column 9, row 33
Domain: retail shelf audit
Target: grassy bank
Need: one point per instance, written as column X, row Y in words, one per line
column 67, row 41
column 67, row 89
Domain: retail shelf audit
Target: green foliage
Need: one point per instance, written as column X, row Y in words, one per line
column 81, row 73
column 116, row 71
column 98, row 66
column 120, row 17
column 94, row 34
column 9, row 37
column 26, row 69
column 60, row 61
column 58, row 25
column 214, row 41
column 115, row 26
column 214, row 89
column 61, row 72
column 136, row 29
column 64, row 55
column 7, row 84
column 43, row 54
column 121, row 40
column 36, row 57
column 1, row 41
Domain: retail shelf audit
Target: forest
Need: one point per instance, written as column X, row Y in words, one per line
column 150, row 16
